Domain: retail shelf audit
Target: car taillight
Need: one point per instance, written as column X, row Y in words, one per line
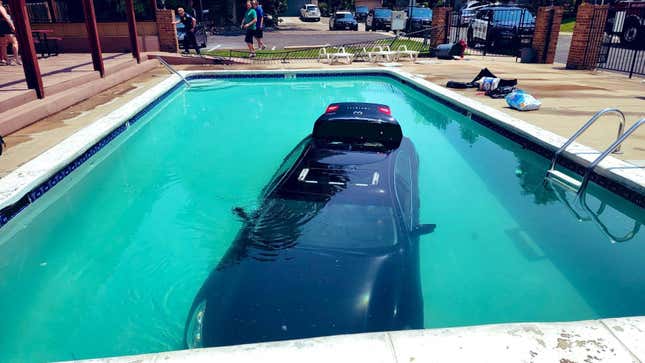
column 385, row 110
column 332, row 108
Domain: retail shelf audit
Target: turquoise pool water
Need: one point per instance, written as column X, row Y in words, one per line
column 109, row 261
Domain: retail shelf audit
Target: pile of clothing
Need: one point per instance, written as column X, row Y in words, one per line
column 495, row 87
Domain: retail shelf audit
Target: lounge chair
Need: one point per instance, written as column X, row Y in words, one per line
column 379, row 52
column 334, row 56
column 404, row 52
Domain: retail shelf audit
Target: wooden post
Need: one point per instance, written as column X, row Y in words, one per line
column 27, row 48
column 93, row 36
column 153, row 4
column 132, row 28
column 52, row 13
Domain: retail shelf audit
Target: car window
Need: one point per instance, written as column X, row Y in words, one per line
column 513, row 16
column 403, row 186
column 361, row 9
column 383, row 13
column 287, row 163
column 345, row 16
column 421, row 12
column 324, row 224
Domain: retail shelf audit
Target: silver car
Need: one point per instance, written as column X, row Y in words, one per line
column 310, row 12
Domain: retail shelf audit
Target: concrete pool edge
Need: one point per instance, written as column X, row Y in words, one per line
column 615, row 340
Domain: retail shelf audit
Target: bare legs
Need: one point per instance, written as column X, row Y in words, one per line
column 3, row 49
column 14, row 44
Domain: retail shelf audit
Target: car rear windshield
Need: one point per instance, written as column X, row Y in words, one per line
column 345, row 16
column 421, row 13
column 383, row 13
column 362, row 9
column 324, row 224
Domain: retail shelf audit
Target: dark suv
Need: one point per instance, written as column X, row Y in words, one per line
column 333, row 247
column 502, row 27
column 419, row 19
column 360, row 13
column 343, row 20
column 626, row 19
column 379, row 19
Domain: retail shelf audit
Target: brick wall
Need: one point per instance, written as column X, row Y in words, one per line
column 547, row 29
column 587, row 36
column 439, row 21
column 167, row 31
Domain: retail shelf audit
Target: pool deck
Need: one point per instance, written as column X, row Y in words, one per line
column 606, row 340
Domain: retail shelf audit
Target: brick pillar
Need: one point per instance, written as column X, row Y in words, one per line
column 547, row 29
column 167, row 31
column 587, row 36
column 440, row 23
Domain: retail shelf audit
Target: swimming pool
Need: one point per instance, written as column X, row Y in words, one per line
column 109, row 260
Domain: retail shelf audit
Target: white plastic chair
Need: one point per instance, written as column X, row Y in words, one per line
column 341, row 53
column 411, row 54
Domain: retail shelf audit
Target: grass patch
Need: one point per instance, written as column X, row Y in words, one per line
column 567, row 25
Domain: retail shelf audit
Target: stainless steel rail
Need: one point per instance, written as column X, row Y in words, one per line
column 171, row 69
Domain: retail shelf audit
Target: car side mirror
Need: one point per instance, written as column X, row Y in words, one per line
column 422, row 229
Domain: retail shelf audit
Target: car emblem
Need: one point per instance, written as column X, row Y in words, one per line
column 358, row 113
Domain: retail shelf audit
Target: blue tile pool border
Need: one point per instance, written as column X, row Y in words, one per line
column 9, row 212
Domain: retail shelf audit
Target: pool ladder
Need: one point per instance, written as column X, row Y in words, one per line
column 580, row 186
column 172, row 70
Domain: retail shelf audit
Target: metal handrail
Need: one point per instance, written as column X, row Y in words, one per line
column 603, row 228
column 584, row 127
column 171, row 69
column 590, row 168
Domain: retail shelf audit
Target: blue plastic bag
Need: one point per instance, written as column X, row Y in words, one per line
column 522, row 101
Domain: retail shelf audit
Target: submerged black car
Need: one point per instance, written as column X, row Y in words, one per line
column 333, row 247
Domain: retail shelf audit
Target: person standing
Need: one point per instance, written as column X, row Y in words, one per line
column 190, row 25
column 248, row 23
column 6, row 35
column 259, row 26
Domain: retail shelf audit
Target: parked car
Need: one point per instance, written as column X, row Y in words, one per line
column 626, row 19
column 502, row 27
column 200, row 34
column 467, row 13
column 334, row 246
column 379, row 19
column 310, row 12
column 419, row 19
column 360, row 13
column 343, row 20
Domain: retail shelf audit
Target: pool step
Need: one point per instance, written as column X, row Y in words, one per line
column 564, row 180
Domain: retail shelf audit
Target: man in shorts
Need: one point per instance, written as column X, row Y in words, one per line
column 259, row 26
column 249, row 24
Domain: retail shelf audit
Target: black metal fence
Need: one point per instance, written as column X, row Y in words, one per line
column 615, row 41
column 401, row 47
column 496, row 31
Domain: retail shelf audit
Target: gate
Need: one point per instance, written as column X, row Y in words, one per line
column 500, row 30
column 617, row 38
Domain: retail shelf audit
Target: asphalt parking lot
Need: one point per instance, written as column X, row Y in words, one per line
column 293, row 33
